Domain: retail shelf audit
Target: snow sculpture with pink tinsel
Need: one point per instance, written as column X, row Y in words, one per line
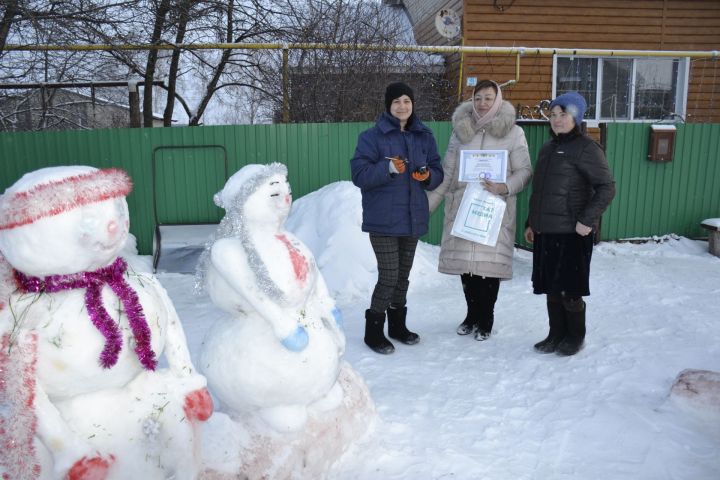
column 81, row 336
column 280, row 351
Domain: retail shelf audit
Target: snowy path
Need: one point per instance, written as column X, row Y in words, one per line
column 452, row 407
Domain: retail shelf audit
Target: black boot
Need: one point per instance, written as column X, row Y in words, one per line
column 556, row 314
column 470, row 324
column 374, row 336
column 575, row 324
column 487, row 318
column 397, row 328
column 485, row 296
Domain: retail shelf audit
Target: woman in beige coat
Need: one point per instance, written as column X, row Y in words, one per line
column 484, row 123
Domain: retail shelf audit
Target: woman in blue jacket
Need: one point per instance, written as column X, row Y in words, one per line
column 394, row 163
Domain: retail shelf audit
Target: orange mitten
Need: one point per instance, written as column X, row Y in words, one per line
column 421, row 177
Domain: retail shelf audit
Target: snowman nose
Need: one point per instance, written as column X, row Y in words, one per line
column 112, row 227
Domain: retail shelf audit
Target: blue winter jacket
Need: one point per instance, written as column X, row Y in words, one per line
column 395, row 204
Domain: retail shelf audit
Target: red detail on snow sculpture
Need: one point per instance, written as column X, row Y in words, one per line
column 198, row 405
column 7, row 281
column 18, row 423
column 299, row 262
column 95, row 468
column 52, row 198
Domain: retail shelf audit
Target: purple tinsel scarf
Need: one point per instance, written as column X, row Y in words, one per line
column 93, row 283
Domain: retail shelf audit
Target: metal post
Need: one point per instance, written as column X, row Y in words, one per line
column 286, row 86
column 134, row 102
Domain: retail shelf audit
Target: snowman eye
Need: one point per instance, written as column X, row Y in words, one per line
column 89, row 218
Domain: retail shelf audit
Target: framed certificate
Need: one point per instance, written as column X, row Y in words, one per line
column 478, row 165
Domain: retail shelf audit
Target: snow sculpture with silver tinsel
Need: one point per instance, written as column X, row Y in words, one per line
column 279, row 352
column 81, row 335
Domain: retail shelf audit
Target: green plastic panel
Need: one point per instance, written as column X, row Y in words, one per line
column 177, row 170
column 185, row 180
column 655, row 198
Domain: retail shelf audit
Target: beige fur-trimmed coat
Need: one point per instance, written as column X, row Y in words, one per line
column 457, row 255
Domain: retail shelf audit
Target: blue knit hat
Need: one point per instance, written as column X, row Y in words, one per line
column 573, row 103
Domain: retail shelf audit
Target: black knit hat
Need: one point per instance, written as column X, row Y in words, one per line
column 397, row 90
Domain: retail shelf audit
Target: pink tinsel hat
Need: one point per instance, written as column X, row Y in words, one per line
column 54, row 190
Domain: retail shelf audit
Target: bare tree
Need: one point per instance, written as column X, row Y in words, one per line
column 156, row 38
column 206, row 72
column 326, row 84
column 329, row 85
column 12, row 9
column 149, row 22
column 231, row 21
column 40, row 22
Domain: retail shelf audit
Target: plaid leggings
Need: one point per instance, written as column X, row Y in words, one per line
column 395, row 257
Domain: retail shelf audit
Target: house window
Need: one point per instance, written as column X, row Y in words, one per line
column 616, row 88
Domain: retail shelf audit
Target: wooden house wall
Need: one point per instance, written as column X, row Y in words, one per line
column 598, row 24
column 422, row 16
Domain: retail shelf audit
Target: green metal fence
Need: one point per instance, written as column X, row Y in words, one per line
column 657, row 198
column 181, row 168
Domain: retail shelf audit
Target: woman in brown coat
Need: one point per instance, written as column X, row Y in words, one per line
column 484, row 123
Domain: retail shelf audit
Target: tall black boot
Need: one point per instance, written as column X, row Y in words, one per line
column 397, row 328
column 486, row 291
column 470, row 324
column 556, row 314
column 575, row 324
column 374, row 336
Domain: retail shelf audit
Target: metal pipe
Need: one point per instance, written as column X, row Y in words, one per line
column 486, row 50
column 460, row 49
column 460, row 75
column 101, row 83
column 517, row 73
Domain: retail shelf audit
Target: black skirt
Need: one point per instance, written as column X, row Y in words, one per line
column 561, row 264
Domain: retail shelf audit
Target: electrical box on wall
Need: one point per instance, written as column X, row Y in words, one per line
column 662, row 141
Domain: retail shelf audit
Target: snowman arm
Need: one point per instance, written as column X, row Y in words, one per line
column 64, row 444
column 176, row 347
column 228, row 257
column 321, row 296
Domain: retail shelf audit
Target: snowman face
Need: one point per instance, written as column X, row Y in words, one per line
column 104, row 226
column 84, row 238
column 271, row 201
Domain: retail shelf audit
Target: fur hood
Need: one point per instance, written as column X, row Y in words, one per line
column 464, row 124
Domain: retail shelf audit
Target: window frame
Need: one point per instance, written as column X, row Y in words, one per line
column 681, row 92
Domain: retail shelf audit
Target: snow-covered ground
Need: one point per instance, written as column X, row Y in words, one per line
column 454, row 408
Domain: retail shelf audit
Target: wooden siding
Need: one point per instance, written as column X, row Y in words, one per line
column 598, row 24
column 422, row 16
